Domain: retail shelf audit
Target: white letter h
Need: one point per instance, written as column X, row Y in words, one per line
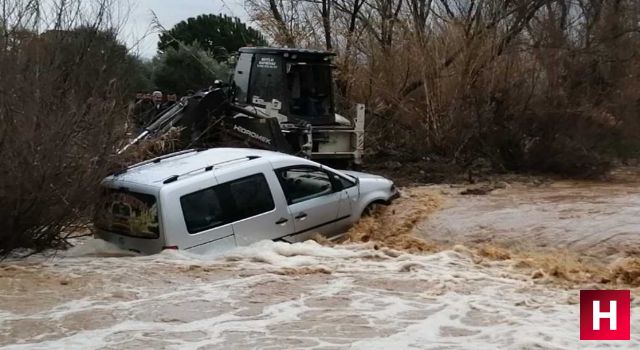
column 598, row 315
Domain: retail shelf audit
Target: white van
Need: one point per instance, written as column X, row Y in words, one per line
column 215, row 199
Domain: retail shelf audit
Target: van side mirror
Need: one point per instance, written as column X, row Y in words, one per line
column 337, row 185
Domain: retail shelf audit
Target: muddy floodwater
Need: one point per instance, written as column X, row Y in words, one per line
column 599, row 219
column 468, row 279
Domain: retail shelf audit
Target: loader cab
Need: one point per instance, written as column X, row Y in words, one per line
column 300, row 79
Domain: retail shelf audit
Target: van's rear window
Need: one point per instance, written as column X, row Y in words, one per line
column 128, row 213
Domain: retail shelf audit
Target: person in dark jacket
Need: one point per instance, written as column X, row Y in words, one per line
column 144, row 111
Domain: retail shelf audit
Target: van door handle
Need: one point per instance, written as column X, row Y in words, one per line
column 282, row 221
column 301, row 216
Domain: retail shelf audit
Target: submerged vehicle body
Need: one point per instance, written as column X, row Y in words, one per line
column 280, row 99
column 212, row 200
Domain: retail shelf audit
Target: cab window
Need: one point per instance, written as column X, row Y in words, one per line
column 303, row 183
column 241, row 77
column 266, row 78
column 310, row 89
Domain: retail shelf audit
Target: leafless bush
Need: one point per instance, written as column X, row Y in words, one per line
column 153, row 147
column 62, row 111
column 527, row 84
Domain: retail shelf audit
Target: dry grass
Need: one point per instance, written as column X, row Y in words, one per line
column 63, row 108
column 547, row 94
column 152, row 147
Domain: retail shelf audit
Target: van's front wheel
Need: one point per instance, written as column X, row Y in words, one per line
column 371, row 208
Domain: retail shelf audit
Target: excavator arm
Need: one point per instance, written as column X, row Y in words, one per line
column 211, row 112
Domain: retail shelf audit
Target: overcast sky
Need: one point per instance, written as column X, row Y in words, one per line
column 169, row 13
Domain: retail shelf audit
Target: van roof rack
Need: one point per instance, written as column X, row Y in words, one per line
column 157, row 160
column 209, row 167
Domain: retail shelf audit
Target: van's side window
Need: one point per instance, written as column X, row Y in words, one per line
column 203, row 210
column 345, row 182
column 225, row 203
column 251, row 196
column 303, row 183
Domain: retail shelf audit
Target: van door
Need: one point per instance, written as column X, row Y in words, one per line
column 348, row 202
column 207, row 221
column 261, row 212
column 129, row 219
column 313, row 200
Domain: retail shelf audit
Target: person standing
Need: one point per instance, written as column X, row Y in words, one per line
column 145, row 109
column 172, row 99
column 157, row 102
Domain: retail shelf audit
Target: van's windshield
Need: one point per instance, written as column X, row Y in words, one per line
column 128, row 213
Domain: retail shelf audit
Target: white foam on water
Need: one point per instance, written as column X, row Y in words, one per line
column 96, row 247
column 282, row 254
column 271, row 296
